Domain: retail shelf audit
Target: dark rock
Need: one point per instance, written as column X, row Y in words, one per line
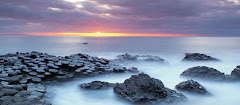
column 203, row 72
column 36, row 80
column 96, row 85
column 22, row 93
column 142, row 88
column 235, row 74
column 192, row 87
column 18, row 99
column 36, row 95
column 15, row 79
column 33, row 73
column 145, row 58
column 33, row 102
column 127, row 57
column 8, row 91
column 198, row 57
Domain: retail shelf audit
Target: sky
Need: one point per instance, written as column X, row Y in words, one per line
column 148, row 17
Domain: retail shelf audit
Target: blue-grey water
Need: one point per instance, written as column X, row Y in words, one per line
column 171, row 49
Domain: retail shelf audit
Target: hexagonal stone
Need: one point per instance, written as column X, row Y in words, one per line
column 4, row 83
column 15, row 67
column 27, row 70
column 53, row 71
column 22, row 93
column 2, row 93
column 36, row 95
column 11, row 73
column 33, row 73
column 18, row 99
column 37, row 80
column 23, row 81
column 40, row 70
column 47, row 73
column 18, row 71
column 41, row 76
column 15, row 79
column 9, row 91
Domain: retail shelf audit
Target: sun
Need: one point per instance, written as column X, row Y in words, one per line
column 98, row 33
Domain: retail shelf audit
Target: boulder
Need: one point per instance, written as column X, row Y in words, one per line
column 198, row 57
column 96, row 85
column 127, row 57
column 142, row 88
column 203, row 72
column 235, row 74
column 144, row 58
column 192, row 87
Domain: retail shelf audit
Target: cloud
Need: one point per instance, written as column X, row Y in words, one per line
column 204, row 17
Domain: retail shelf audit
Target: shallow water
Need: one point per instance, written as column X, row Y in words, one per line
column 171, row 49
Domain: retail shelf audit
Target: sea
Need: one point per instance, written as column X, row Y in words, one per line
column 172, row 49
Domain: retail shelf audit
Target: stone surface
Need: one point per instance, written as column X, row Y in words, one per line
column 142, row 88
column 192, row 87
column 198, row 57
column 22, row 74
column 203, row 72
column 142, row 58
column 96, row 85
column 235, row 74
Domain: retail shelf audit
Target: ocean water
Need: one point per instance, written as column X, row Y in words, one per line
column 171, row 49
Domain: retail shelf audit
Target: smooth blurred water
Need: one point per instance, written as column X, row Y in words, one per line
column 171, row 49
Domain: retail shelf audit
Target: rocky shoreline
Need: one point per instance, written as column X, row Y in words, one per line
column 24, row 77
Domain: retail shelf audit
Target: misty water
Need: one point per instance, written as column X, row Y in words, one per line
column 171, row 49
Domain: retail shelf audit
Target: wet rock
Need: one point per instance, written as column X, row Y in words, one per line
column 203, row 72
column 55, row 71
column 17, row 99
column 192, row 87
column 142, row 88
column 18, row 70
column 127, row 57
column 8, row 91
column 96, row 85
column 15, row 79
column 198, row 57
column 36, row 80
column 144, row 58
column 235, row 74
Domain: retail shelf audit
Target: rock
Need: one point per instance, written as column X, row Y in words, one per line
column 22, row 93
column 96, row 85
column 192, row 87
column 198, row 57
column 235, row 74
column 8, row 91
column 36, row 95
column 55, row 71
column 127, row 57
column 15, row 79
column 18, row 99
column 203, row 72
column 142, row 88
column 19, row 70
column 36, row 80
column 144, row 58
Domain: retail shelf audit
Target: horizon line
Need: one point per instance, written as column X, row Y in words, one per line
column 97, row 34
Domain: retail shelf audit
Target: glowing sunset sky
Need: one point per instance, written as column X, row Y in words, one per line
column 120, row 17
